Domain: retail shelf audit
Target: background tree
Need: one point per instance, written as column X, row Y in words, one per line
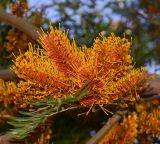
column 140, row 19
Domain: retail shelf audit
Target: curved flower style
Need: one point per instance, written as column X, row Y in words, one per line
column 62, row 68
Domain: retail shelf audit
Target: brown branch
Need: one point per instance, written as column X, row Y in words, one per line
column 155, row 84
column 20, row 24
column 23, row 25
column 7, row 74
column 150, row 98
column 109, row 124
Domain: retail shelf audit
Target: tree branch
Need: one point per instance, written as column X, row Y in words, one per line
column 23, row 25
column 20, row 24
column 109, row 124
column 7, row 74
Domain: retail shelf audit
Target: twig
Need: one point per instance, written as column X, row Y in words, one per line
column 54, row 113
column 148, row 94
column 110, row 123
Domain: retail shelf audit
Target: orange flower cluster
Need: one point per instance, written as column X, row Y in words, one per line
column 149, row 117
column 17, row 40
column 63, row 68
column 20, row 94
column 19, row 8
column 122, row 133
column 147, row 120
column 7, row 89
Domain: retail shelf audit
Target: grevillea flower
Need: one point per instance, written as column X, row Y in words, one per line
column 62, row 68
